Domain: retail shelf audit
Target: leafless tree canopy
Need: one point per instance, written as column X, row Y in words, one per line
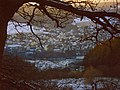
column 105, row 16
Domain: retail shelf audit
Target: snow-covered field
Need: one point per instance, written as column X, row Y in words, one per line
column 23, row 28
column 45, row 64
column 75, row 84
column 80, row 84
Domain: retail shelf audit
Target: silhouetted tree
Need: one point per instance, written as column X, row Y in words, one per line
column 106, row 20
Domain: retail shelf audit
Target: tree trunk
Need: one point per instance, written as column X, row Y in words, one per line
column 3, row 35
column 7, row 10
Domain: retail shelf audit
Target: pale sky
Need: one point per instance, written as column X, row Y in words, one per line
column 96, row 0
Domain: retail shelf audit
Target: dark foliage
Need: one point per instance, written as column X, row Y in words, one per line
column 19, row 75
column 105, row 57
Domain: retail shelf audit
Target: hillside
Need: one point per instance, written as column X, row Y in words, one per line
column 20, row 75
column 105, row 57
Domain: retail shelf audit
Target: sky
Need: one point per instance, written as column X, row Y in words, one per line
column 95, row 0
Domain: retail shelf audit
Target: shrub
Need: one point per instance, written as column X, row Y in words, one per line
column 105, row 57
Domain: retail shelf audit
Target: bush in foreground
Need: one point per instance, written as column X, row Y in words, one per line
column 105, row 57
